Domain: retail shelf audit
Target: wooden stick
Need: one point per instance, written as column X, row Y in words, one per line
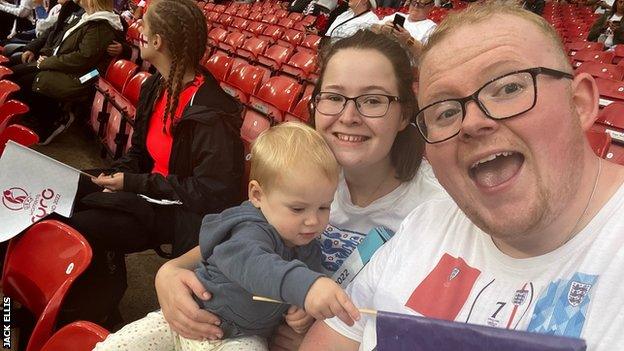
column 266, row 299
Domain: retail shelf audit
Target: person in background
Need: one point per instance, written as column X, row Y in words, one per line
column 416, row 28
column 15, row 18
column 359, row 16
column 186, row 149
column 362, row 105
column 607, row 29
column 532, row 237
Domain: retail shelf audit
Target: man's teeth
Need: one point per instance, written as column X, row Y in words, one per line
column 350, row 138
column 491, row 157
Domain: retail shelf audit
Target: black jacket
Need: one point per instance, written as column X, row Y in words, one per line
column 206, row 162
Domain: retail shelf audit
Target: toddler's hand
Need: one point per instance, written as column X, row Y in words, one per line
column 326, row 299
column 298, row 319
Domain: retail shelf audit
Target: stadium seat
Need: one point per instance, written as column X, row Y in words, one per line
column 301, row 111
column 599, row 142
column 243, row 81
column 219, row 8
column 252, row 48
column 133, row 88
column 275, row 56
column 231, row 10
column 76, row 336
column 276, row 97
column 224, row 20
column 601, row 70
column 232, row 42
column 616, row 154
column 295, row 16
column 255, row 16
column 216, row 36
column 117, row 131
column 9, row 111
column 119, row 73
column 19, row 134
column 272, row 33
column 239, row 24
column 300, row 65
column 219, row 66
column 286, row 23
column 3, row 59
column 310, row 43
column 281, row 13
column 612, row 115
column 6, row 89
column 609, row 90
column 269, row 19
column 308, row 20
column 291, row 38
column 39, row 267
column 211, row 17
column 590, row 55
column 209, row 6
column 255, row 28
column 584, row 45
column 254, row 123
column 5, row 72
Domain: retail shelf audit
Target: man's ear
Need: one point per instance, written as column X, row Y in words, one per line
column 255, row 193
column 585, row 99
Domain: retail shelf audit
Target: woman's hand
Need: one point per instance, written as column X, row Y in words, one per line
column 113, row 182
column 175, row 287
column 285, row 339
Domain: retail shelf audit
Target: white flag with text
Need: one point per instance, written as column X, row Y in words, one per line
column 33, row 186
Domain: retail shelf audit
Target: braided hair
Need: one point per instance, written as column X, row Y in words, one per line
column 182, row 26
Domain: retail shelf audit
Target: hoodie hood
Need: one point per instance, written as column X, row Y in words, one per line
column 110, row 17
column 221, row 225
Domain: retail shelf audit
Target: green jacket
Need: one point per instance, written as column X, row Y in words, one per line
column 598, row 28
column 83, row 50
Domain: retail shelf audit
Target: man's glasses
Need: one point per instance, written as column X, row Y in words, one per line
column 420, row 4
column 504, row 97
column 368, row 105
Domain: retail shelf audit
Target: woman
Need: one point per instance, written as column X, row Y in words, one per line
column 57, row 78
column 15, row 18
column 380, row 153
column 607, row 28
column 185, row 148
column 359, row 16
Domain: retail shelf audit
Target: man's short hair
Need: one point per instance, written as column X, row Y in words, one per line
column 286, row 147
column 480, row 12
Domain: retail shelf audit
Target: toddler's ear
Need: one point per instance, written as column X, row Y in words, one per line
column 255, row 193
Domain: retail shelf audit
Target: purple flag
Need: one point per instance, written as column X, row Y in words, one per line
column 397, row 332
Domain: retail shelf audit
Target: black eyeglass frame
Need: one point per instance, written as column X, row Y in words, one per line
column 391, row 98
column 535, row 71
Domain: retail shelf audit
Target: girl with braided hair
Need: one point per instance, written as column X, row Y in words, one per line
column 185, row 149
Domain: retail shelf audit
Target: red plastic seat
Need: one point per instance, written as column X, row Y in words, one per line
column 601, row 70
column 39, row 267
column 224, row 20
column 616, row 154
column 308, row 20
column 209, row 6
column 3, row 59
column 232, row 42
column 219, row 66
column 612, row 115
column 281, row 13
column 219, row 8
column 272, row 33
column 216, row 36
column 310, row 43
column 6, row 89
column 243, row 81
column 212, row 16
column 255, row 16
column 255, row 28
column 301, row 111
column 276, row 97
column 133, row 88
column 275, row 56
column 291, row 38
column 269, row 19
column 119, row 73
column 300, row 65
column 287, row 23
column 19, row 134
column 239, row 24
column 589, row 55
column 252, row 48
column 9, row 111
column 76, row 336
column 5, row 72
column 231, row 10
column 599, row 142
column 117, row 132
column 610, row 90
column 295, row 16
column 584, row 45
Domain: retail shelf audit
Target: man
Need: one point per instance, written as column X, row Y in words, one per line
column 535, row 240
column 359, row 15
column 417, row 25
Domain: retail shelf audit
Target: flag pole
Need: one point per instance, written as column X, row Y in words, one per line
column 266, row 299
column 51, row 159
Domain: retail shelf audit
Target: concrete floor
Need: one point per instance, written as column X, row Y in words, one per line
column 76, row 149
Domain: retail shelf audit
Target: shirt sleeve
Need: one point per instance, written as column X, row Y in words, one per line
column 24, row 9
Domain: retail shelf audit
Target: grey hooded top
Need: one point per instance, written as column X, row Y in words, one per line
column 243, row 255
